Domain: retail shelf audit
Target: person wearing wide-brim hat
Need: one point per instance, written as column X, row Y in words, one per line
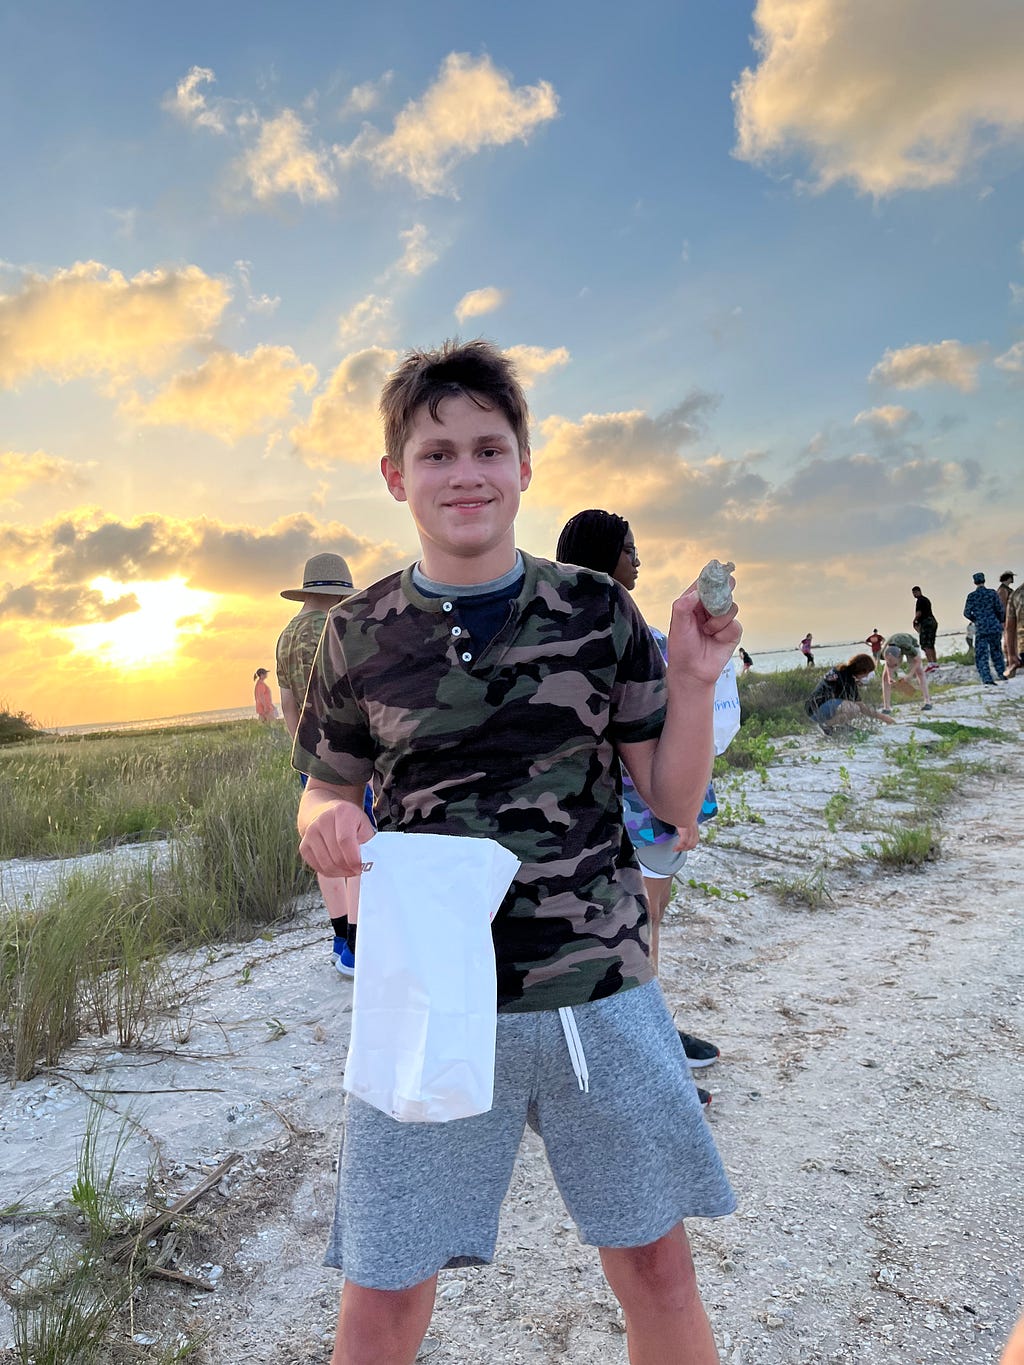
column 326, row 579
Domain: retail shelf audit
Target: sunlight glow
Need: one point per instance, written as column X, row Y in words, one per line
column 169, row 613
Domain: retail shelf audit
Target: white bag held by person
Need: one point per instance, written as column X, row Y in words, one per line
column 424, row 1012
column 727, row 708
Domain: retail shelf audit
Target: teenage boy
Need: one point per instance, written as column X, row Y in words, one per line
column 495, row 694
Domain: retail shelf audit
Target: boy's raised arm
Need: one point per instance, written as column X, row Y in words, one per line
column 671, row 773
column 332, row 826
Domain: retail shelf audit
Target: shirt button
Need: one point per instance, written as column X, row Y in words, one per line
column 467, row 658
column 446, row 606
column 456, row 630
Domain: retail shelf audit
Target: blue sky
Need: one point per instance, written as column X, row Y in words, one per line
column 774, row 296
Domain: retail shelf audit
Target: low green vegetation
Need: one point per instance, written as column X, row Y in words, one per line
column 908, row 847
column 810, row 888
column 76, row 1302
column 16, row 726
column 92, row 957
column 60, row 796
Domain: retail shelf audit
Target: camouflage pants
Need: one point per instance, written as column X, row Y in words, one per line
column 988, row 656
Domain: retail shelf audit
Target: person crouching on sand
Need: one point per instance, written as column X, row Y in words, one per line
column 836, row 699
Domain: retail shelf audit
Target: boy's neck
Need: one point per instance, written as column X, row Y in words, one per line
column 466, row 572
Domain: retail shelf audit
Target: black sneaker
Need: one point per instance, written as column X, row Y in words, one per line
column 698, row 1052
column 704, row 1096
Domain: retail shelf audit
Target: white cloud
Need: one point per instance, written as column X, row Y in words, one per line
column 256, row 303
column 417, row 253
column 944, row 362
column 1012, row 361
column 362, row 98
column 1016, row 293
column 533, row 361
column 471, row 105
column 190, row 104
column 478, row 302
column 284, row 162
column 89, row 319
column 370, row 315
column 889, row 418
column 890, row 96
column 20, row 471
column 344, row 424
column 229, row 395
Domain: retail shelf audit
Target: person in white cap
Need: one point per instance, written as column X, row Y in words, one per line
column 326, row 579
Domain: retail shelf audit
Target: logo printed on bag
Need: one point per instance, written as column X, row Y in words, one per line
column 366, row 867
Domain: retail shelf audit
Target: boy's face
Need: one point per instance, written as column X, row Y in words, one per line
column 462, row 477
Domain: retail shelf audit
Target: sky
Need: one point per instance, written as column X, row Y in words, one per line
column 760, row 265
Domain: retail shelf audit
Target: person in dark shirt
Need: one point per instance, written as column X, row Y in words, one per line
column 926, row 626
column 836, row 699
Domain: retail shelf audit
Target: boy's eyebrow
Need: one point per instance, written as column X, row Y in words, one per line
column 439, row 442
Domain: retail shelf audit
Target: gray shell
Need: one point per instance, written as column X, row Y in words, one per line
column 713, row 587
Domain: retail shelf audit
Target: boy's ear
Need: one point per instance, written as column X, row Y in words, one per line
column 525, row 470
column 394, row 479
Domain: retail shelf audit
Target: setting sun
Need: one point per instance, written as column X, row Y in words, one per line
column 168, row 613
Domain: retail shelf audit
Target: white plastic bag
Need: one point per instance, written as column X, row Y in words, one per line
column 727, row 707
column 424, row 1012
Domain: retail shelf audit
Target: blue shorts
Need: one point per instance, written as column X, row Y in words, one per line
column 826, row 710
column 632, row 1156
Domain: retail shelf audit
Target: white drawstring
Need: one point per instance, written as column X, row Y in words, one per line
column 575, row 1046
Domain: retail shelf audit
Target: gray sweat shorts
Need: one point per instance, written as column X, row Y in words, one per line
column 632, row 1155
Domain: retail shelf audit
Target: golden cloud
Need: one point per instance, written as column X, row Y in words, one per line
column 284, row 162
column 471, row 105
column 916, row 367
column 417, row 253
column 344, row 425
column 190, row 104
column 889, row 417
column 890, row 97
column 19, row 471
column 56, row 563
column 371, row 315
column 89, row 319
column 478, row 302
column 229, row 395
column 533, row 361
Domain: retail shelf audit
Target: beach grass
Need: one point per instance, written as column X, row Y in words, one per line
column 62, row 796
column 91, row 955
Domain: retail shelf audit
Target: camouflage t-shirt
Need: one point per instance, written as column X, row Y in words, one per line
column 296, row 650
column 514, row 739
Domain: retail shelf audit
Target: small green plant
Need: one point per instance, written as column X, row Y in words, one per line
column 738, row 812
column 716, row 892
column 809, row 888
column 93, row 1192
column 836, row 807
column 908, row 847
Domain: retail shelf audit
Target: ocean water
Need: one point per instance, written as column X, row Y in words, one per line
column 161, row 722
column 767, row 661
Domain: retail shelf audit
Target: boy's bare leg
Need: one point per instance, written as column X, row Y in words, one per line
column 659, row 893
column 382, row 1326
column 336, row 895
column 657, row 1288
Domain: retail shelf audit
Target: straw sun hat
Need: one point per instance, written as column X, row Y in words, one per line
column 327, row 574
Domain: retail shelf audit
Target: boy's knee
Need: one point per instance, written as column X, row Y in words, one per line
column 658, row 1277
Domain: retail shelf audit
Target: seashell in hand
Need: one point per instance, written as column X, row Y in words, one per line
column 713, row 587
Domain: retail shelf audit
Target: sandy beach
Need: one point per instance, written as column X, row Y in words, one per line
column 868, row 1104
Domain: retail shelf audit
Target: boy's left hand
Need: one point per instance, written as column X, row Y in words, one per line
column 700, row 645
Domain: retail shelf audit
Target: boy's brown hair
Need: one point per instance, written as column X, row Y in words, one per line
column 476, row 370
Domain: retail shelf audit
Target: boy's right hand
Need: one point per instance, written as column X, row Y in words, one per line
column 331, row 843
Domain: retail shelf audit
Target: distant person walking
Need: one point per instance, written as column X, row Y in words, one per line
column 326, row 580
column 1015, row 631
column 985, row 608
column 261, row 696
column 926, row 626
column 805, row 649
column 1005, row 591
column 898, row 647
column 746, row 660
column 875, row 643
